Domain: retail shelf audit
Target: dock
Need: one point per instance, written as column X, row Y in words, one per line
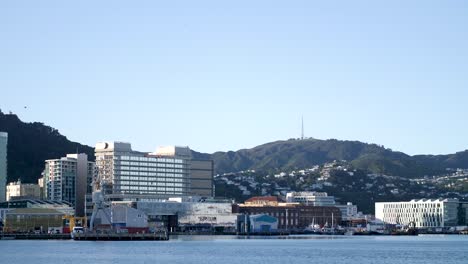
column 12, row 236
column 120, row 237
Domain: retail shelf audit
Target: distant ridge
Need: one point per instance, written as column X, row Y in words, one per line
column 32, row 143
column 299, row 154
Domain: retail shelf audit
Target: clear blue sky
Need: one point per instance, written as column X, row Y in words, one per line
column 225, row 75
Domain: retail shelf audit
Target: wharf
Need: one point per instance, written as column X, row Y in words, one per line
column 120, row 237
column 12, row 236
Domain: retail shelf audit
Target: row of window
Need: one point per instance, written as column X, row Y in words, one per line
column 143, row 179
column 128, row 183
column 416, row 210
column 146, row 164
column 151, row 189
column 152, row 175
column 142, row 170
column 412, row 205
column 149, row 159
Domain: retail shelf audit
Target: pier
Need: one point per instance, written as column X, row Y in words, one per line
column 120, row 236
column 19, row 236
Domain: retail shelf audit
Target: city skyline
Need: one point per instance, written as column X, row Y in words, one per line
column 218, row 76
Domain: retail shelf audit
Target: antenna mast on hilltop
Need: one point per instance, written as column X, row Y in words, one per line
column 302, row 128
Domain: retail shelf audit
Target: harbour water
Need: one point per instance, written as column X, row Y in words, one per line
column 226, row 250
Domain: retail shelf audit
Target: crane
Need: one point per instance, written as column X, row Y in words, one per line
column 98, row 200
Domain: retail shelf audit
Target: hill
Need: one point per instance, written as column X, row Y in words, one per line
column 298, row 154
column 30, row 144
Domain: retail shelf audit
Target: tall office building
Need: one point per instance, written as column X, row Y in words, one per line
column 3, row 165
column 67, row 179
column 201, row 171
column 132, row 175
column 201, row 178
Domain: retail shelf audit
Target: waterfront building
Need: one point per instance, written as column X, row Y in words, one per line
column 310, row 198
column 19, row 190
column 68, row 179
column 256, row 223
column 349, row 211
column 3, row 165
column 424, row 213
column 293, row 216
column 190, row 214
column 262, row 201
column 34, row 219
column 123, row 217
column 132, row 175
column 65, row 208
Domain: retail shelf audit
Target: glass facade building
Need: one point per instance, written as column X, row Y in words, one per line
column 125, row 173
column 3, row 165
column 424, row 213
column 150, row 175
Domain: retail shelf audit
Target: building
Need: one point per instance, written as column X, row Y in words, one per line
column 190, row 214
column 424, row 213
column 201, row 171
column 18, row 190
column 40, row 182
column 136, row 176
column 262, row 201
column 348, row 211
column 310, row 198
column 68, row 179
column 202, row 178
column 257, row 223
column 122, row 217
column 64, row 207
column 3, row 165
column 292, row 216
column 33, row 220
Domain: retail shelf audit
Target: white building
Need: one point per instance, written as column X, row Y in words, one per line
column 348, row 211
column 122, row 217
column 424, row 213
column 310, row 198
column 23, row 190
column 191, row 213
column 168, row 172
column 69, row 179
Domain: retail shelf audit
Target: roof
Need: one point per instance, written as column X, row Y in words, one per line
column 263, row 198
column 37, row 211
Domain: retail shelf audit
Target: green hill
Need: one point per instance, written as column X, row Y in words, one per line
column 298, row 154
column 30, row 144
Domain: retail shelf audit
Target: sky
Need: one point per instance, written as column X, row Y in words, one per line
column 227, row 75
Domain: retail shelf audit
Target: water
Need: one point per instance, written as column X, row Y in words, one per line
column 227, row 250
